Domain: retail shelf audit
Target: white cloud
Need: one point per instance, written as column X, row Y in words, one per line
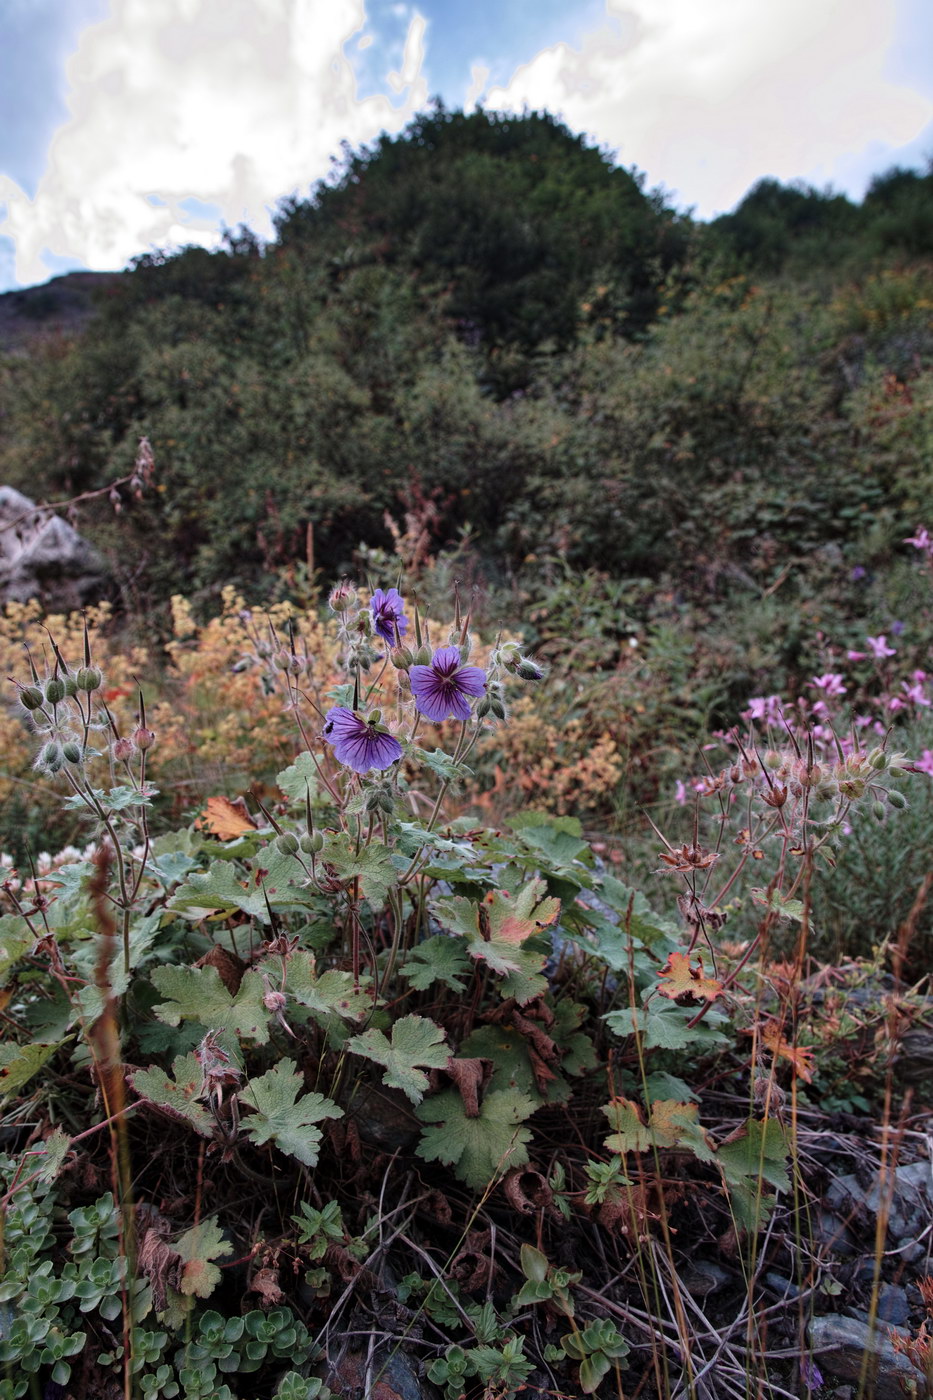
column 709, row 95
column 235, row 104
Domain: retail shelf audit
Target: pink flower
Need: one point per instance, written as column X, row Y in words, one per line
column 879, row 647
column 856, row 655
column 924, row 764
column 765, row 708
column 915, row 692
column 921, row 540
column 830, row 684
column 680, row 793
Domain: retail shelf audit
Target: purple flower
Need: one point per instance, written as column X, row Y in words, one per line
column 389, row 618
column 858, row 573
column 924, row 763
column 358, row 743
column 439, row 689
column 766, row 708
column 897, row 627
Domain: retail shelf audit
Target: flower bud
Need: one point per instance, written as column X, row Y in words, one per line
column 72, row 752
column 483, row 707
column 529, row 670
column 773, row 760
column 423, row 656
column 878, row 759
column 31, row 697
column 465, row 649
column 897, row 799
column 144, row 738
column 273, row 1001
column 70, row 684
column 88, row 678
column 122, row 749
column 287, row 843
column 401, row 658
column 496, row 707
column 877, row 811
column 282, row 660
column 342, row 598
column 897, row 772
column 54, row 690
column 312, row 843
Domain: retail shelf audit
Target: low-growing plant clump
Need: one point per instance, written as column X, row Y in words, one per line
column 338, row 1078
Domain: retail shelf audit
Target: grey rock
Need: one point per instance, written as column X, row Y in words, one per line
column 893, row 1306
column 703, row 1277
column 42, row 556
column 840, row 1345
column 910, row 1195
column 781, row 1286
column 833, row 1234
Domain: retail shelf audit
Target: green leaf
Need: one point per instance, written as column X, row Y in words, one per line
column 479, row 1149
column 437, row 959
column 670, row 1125
column 559, row 839
column 178, row 1095
column 787, row 908
column 16, row 940
column 198, row 1247
column 273, row 875
column 372, row 864
column 663, row 1025
column 497, row 929
column 415, row 1041
column 329, row 997
column 443, row 765
column 299, row 779
column 281, row 1117
column 508, row 1051
column 50, row 1155
column 18, row 1064
column 115, row 799
column 757, row 1153
column 197, row 994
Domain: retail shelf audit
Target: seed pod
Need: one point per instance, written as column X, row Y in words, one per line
column 31, row 697
column 287, row 843
column 70, row 684
column 401, row 658
column 897, row 799
column 88, row 678
column 312, row 844
column 51, row 757
column 54, row 690
column 423, row 656
column 144, row 738
column 122, row 749
column 72, row 752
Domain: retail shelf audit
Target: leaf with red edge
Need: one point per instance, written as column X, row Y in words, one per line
column 800, row 1056
column 680, row 978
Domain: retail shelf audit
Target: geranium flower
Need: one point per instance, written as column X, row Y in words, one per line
column 359, row 743
column 388, row 613
column 439, row 689
column 830, row 684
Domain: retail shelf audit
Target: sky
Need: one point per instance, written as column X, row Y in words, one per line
column 132, row 125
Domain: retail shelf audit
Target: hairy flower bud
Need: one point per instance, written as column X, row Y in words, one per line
column 54, row 690
column 342, row 598
column 878, row 759
column 70, row 684
column 72, row 752
column 496, row 707
column 529, row 670
column 144, row 738
column 422, row 656
column 483, row 707
column 312, row 843
column 897, row 799
column 287, row 843
column 88, row 678
column 273, row 1001
column 877, row 811
column 122, row 749
column 401, row 658
column 31, row 697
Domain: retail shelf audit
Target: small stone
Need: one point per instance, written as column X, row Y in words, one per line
column 839, row 1346
column 703, row 1277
